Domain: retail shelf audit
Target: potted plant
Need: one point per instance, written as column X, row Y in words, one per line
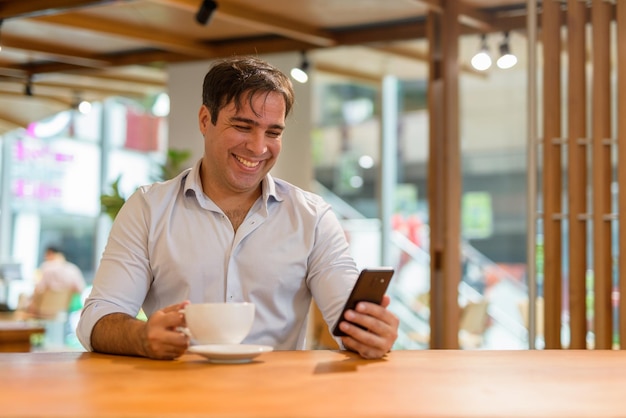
column 112, row 203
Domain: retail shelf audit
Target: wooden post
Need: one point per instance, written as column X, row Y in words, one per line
column 444, row 175
column 551, row 181
column 577, row 170
column 601, row 15
column 621, row 169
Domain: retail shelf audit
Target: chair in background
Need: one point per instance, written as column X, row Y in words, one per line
column 473, row 323
column 51, row 309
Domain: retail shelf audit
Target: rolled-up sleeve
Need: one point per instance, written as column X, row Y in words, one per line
column 123, row 277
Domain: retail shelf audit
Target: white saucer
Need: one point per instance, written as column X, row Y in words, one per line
column 230, row 353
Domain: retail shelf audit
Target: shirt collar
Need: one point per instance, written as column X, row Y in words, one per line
column 193, row 183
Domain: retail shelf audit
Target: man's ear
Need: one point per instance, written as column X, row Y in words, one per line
column 204, row 118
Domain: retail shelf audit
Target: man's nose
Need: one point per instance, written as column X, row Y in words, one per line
column 256, row 143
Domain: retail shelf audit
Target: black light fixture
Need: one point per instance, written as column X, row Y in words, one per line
column 1, row 20
column 28, row 87
column 206, row 10
column 482, row 60
column 507, row 59
column 83, row 106
column 300, row 74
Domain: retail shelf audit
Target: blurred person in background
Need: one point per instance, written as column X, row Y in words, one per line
column 56, row 274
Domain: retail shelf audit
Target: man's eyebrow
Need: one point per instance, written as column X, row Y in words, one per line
column 255, row 123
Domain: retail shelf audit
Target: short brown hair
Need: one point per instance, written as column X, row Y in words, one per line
column 241, row 78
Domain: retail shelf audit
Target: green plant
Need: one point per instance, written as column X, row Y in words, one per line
column 112, row 203
column 173, row 163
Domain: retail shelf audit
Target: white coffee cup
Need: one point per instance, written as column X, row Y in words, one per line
column 219, row 323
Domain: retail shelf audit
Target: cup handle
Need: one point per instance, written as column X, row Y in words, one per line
column 184, row 331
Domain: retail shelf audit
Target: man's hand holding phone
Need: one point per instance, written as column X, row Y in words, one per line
column 366, row 326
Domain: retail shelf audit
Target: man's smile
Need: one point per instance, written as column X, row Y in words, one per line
column 247, row 163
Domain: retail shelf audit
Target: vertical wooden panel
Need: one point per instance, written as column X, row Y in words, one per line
column 577, row 170
column 453, row 179
column 601, row 15
column 435, row 179
column 621, row 168
column 444, row 176
column 552, row 183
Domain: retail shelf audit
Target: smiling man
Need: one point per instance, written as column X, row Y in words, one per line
column 227, row 231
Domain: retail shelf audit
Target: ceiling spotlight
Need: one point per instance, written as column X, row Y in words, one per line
column 83, row 106
column 300, row 73
column 506, row 60
column 206, row 10
column 28, row 87
column 482, row 60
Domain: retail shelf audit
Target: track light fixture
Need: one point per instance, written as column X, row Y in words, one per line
column 482, row 60
column 507, row 59
column 28, row 87
column 300, row 74
column 1, row 21
column 206, row 10
column 83, row 106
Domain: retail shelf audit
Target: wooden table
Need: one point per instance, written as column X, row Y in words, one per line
column 15, row 335
column 318, row 384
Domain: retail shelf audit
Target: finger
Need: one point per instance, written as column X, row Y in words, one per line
column 163, row 343
column 377, row 319
column 379, row 336
column 365, row 320
column 167, row 320
column 364, row 350
column 176, row 307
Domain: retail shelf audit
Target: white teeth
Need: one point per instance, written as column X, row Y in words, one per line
column 247, row 163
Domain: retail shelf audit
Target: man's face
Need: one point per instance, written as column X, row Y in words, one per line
column 242, row 147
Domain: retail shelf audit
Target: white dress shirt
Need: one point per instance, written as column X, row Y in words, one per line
column 170, row 243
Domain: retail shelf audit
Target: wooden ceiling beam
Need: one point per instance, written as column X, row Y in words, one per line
column 75, row 87
column 53, row 98
column 31, row 8
column 431, row 5
column 13, row 121
column 418, row 55
column 71, row 89
column 471, row 17
column 395, row 31
column 257, row 19
column 351, row 73
column 146, row 81
column 150, row 57
column 7, row 71
column 157, row 38
column 53, row 51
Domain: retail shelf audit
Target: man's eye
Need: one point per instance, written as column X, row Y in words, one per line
column 242, row 127
column 273, row 134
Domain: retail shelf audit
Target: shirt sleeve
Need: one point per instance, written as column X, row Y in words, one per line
column 332, row 269
column 124, row 275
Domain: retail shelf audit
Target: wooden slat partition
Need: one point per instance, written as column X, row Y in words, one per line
column 621, row 168
column 590, row 167
column 577, row 145
column 444, row 176
column 601, row 16
column 552, row 182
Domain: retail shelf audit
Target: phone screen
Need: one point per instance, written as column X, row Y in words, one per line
column 370, row 287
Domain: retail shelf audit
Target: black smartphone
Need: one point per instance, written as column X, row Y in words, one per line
column 370, row 287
